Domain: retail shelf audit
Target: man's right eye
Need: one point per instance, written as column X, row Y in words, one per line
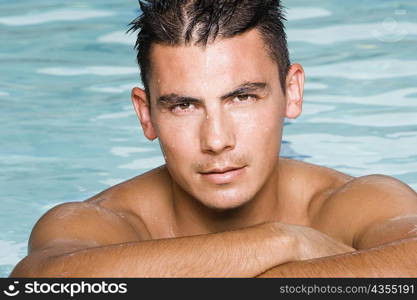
column 182, row 107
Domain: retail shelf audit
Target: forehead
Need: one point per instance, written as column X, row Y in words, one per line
column 212, row 69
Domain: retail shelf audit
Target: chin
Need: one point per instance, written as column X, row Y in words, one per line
column 225, row 200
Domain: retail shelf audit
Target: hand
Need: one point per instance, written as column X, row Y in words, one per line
column 312, row 243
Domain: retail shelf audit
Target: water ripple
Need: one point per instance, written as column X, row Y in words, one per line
column 144, row 163
column 345, row 33
column 362, row 154
column 375, row 120
column 94, row 70
column 118, row 37
column 366, row 69
column 53, row 16
column 11, row 252
column 301, row 13
column 126, row 151
column 395, row 98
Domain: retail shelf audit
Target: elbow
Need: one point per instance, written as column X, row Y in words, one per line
column 23, row 269
column 31, row 267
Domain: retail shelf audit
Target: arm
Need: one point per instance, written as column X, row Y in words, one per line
column 86, row 240
column 378, row 215
column 396, row 259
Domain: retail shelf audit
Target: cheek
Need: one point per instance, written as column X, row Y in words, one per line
column 259, row 130
column 178, row 140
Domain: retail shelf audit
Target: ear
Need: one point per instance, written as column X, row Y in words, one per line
column 294, row 91
column 143, row 111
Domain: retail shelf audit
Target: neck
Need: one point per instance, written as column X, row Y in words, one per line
column 192, row 217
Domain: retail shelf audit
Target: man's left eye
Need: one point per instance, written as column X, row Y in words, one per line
column 245, row 98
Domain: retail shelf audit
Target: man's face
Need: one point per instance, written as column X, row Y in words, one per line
column 218, row 113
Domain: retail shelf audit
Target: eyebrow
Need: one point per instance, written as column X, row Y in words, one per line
column 247, row 87
column 171, row 99
column 244, row 88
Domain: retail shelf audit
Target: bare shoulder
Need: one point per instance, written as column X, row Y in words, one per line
column 315, row 183
column 360, row 211
column 309, row 171
column 139, row 200
column 76, row 225
column 70, row 227
column 110, row 217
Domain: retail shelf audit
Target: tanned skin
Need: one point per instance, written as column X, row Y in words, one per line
column 225, row 204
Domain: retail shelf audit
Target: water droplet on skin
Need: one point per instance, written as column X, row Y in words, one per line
column 414, row 230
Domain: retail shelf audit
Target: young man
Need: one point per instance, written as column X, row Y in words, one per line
column 217, row 87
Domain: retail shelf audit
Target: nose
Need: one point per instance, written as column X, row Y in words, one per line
column 217, row 133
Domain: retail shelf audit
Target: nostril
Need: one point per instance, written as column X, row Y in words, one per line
column 216, row 133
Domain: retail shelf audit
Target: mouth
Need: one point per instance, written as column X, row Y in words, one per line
column 223, row 175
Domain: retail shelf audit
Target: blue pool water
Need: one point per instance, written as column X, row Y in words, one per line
column 68, row 131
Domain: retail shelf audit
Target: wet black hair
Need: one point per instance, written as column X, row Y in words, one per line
column 199, row 22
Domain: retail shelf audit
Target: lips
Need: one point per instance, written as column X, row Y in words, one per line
column 223, row 175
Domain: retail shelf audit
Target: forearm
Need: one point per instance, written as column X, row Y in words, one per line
column 241, row 253
column 395, row 259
